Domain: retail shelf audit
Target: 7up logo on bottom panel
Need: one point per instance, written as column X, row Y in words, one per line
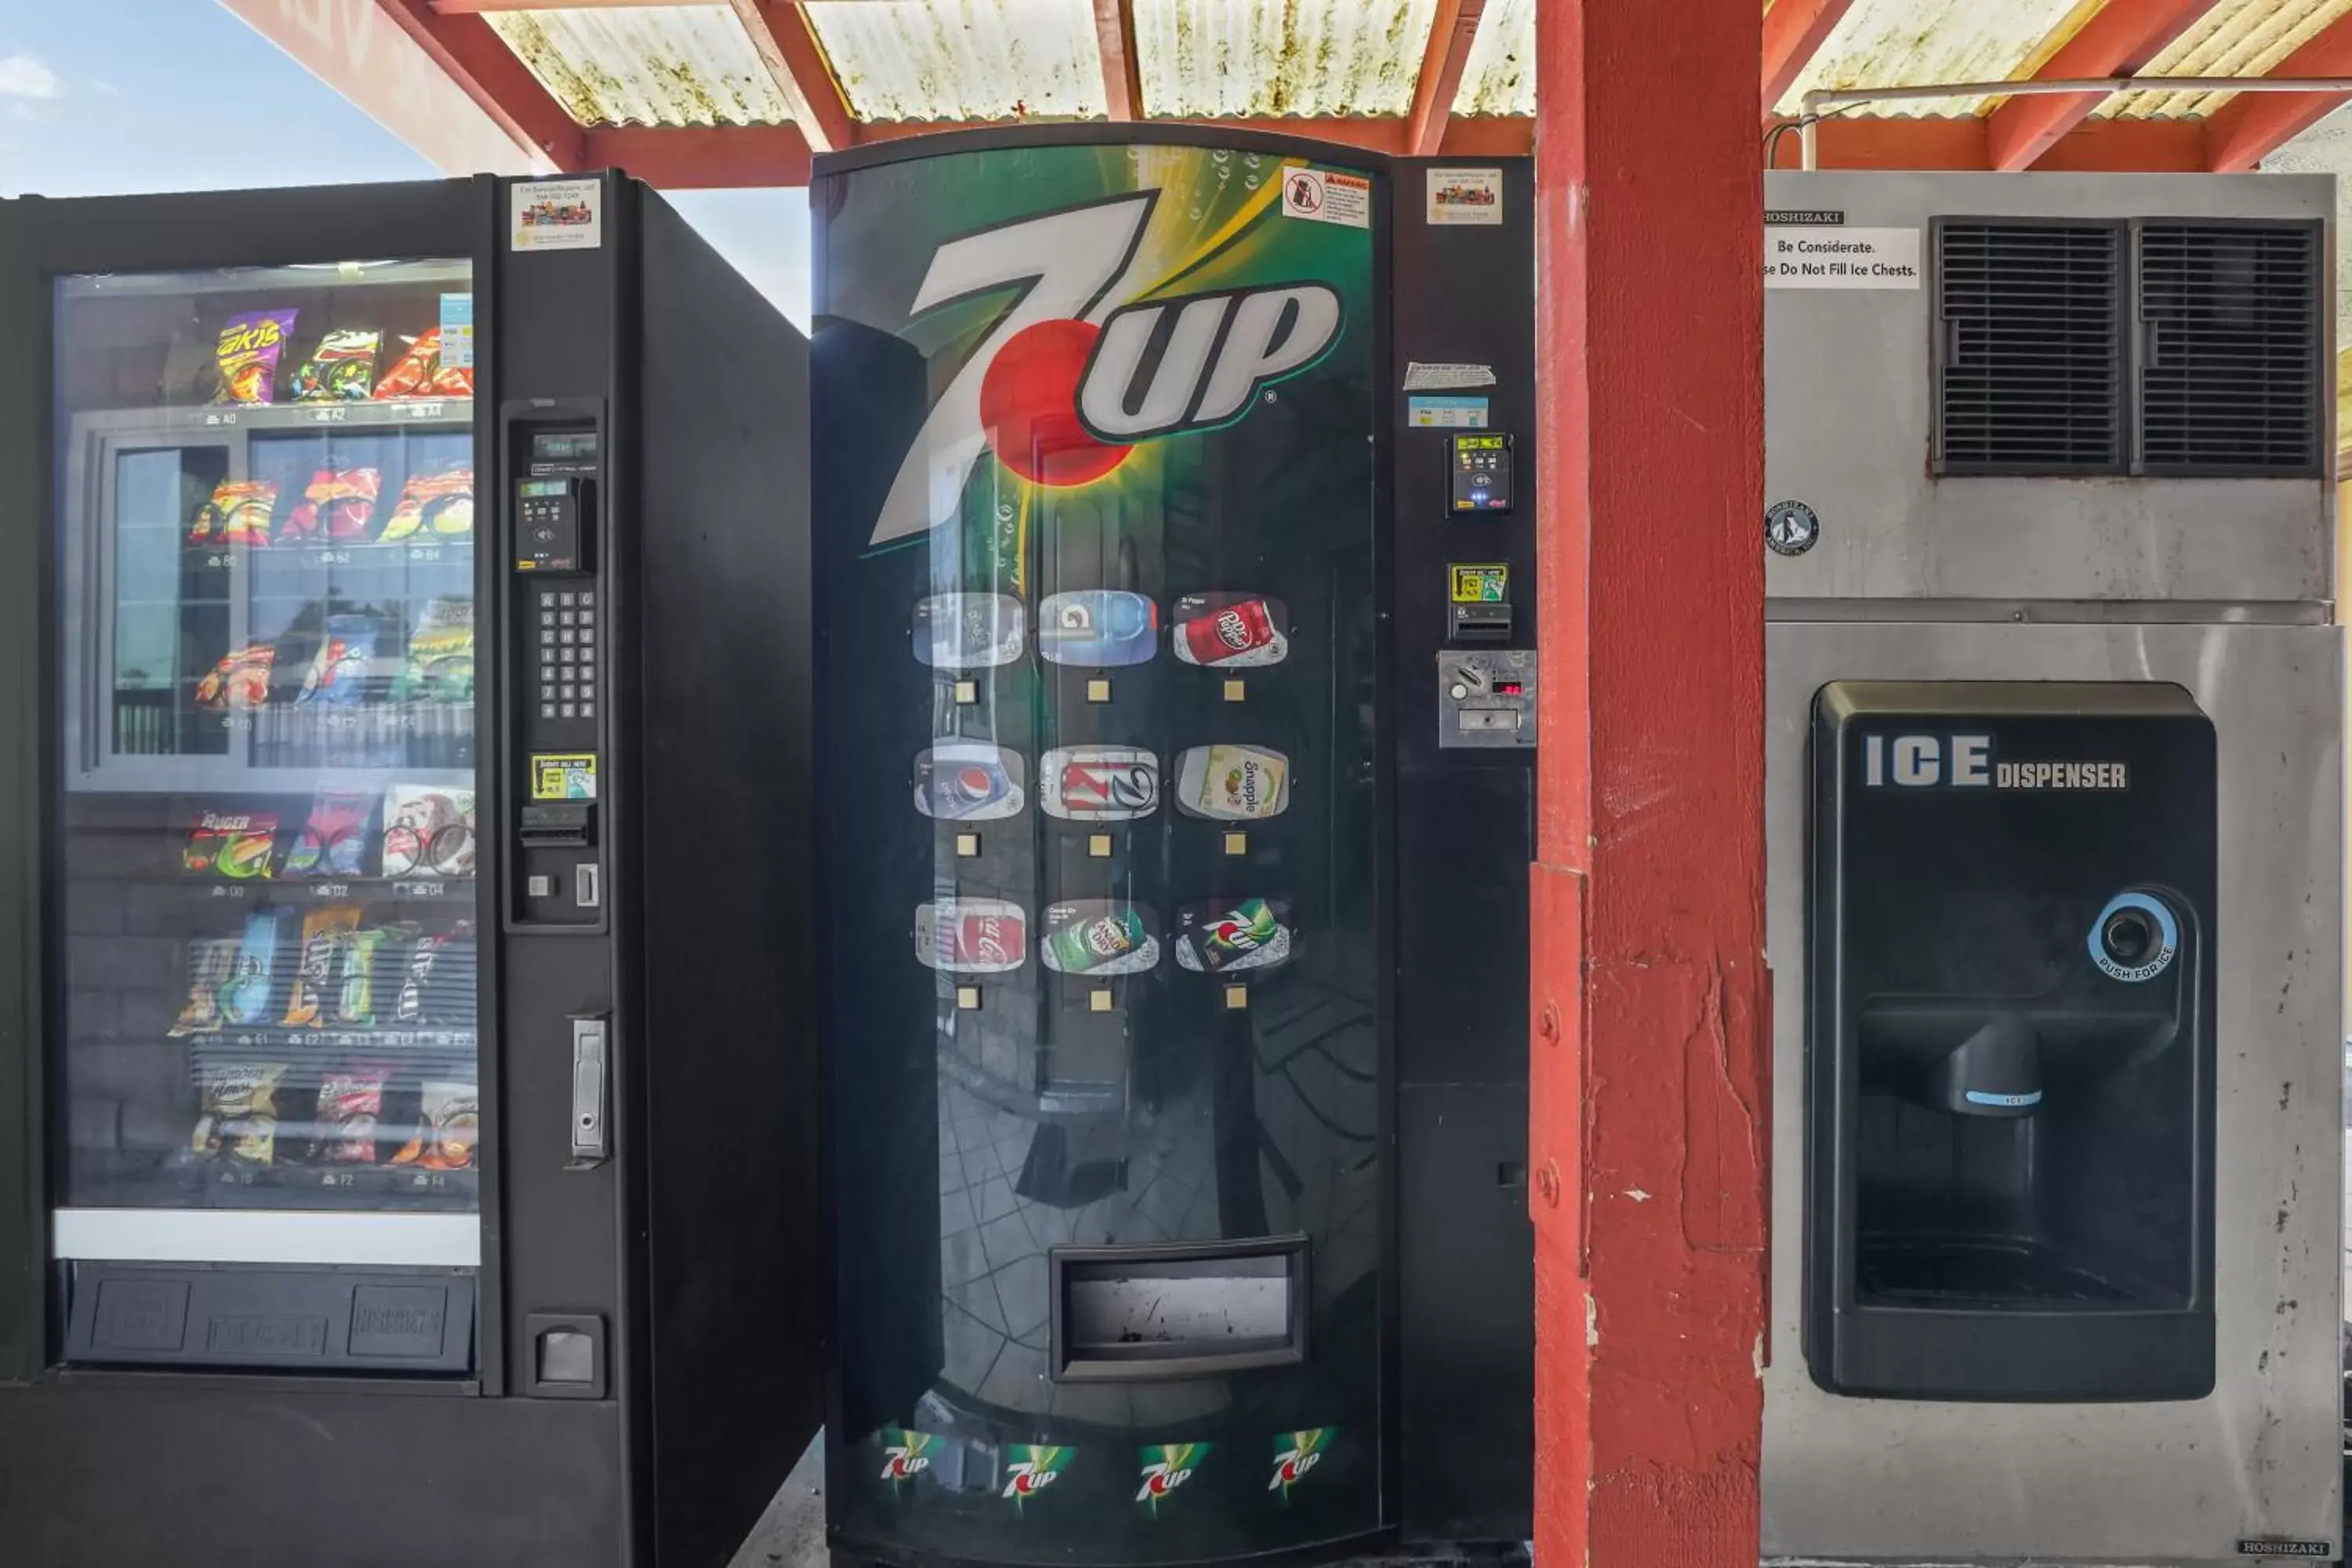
column 1295, row 1454
column 1166, row 1467
column 904, row 1455
column 1030, row 1468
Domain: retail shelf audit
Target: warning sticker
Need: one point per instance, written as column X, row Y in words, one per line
column 1326, row 196
column 1480, row 583
column 570, row 776
column 1803, row 257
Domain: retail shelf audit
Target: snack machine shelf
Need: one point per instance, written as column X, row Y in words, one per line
column 367, row 414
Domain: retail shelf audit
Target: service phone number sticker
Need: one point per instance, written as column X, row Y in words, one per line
column 566, row 777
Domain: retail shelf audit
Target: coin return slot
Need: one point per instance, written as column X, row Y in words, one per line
column 1130, row 1313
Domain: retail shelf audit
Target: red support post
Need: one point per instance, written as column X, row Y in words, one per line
column 1651, row 1083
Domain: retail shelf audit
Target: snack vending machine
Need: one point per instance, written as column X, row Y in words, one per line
column 409, row 1118
column 1174, row 871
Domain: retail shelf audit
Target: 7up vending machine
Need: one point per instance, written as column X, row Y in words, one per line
column 1104, row 436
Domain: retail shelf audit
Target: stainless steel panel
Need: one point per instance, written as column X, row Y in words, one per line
column 1849, row 427
column 1871, row 1480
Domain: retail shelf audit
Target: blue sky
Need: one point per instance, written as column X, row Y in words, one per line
column 106, row 97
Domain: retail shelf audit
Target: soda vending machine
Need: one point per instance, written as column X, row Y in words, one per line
column 410, row 1124
column 1177, row 811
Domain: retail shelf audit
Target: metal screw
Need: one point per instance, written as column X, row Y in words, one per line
column 1547, row 1181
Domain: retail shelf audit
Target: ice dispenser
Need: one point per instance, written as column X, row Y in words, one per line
column 2009, row 1049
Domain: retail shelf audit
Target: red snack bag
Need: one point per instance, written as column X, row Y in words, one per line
column 350, row 1118
column 412, row 376
column 241, row 680
column 338, row 502
column 453, row 381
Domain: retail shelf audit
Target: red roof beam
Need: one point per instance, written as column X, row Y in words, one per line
column 1115, row 41
column 780, row 30
column 702, row 157
column 1450, row 32
column 1794, row 32
column 2253, row 125
column 478, row 61
column 2121, row 39
column 1939, row 142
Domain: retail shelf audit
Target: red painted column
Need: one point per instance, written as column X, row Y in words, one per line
column 1650, row 1130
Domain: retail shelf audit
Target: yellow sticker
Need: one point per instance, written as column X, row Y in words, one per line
column 567, row 777
column 1481, row 583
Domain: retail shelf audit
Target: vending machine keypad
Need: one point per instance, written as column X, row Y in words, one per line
column 567, row 653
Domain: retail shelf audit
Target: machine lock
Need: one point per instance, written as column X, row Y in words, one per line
column 591, row 1090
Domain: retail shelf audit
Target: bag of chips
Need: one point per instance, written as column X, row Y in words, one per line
column 210, row 963
column 239, row 1114
column 344, row 672
column 245, row 996
column 237, row 514
column 428, row 831
column 343, row 367
column 433, row 507
column 241, row 680
column 338, row 504
column 451, row 1123
column 349, row 1119
column 355, row 987
column 248, row 355
column 441, row 654
column 333, row 840
column 323, row 931
column 412, row 374
column 235, row 843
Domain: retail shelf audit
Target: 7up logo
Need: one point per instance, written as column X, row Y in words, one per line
column 1030, row 1468
column 906, row 1454
column 1082, row 364
column 1295, row 1454
column 1166, row 1467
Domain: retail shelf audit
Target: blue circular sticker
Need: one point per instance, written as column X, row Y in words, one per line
column 2167, row 938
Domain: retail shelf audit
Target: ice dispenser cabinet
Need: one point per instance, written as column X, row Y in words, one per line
column 2010, row 1042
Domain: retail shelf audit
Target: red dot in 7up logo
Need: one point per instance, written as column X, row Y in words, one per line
column 1166, row 1467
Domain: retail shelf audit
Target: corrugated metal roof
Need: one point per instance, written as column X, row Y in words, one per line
column 1895, row 43
column 1499, row 77
column 2237, row 37
column 962, row 59
column 1253, row 58
column 630, row 65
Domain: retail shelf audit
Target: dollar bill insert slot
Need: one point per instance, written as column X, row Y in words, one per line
column 1488, row 622
column 559, row 824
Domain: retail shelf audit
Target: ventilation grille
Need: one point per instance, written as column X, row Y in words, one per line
column 2229, row 377
column 2031, row 376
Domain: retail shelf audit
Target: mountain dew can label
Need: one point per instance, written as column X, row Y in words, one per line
column 906, row 1454
column 1295, row 1454
column 1030, row 1468
column 1166, row 1467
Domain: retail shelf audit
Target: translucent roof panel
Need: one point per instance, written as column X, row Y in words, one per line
column 1277, row 59
column 1898, row 43
column 963, row 60
column 1499, row 77
column 645, row 65
column 2236, row 37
